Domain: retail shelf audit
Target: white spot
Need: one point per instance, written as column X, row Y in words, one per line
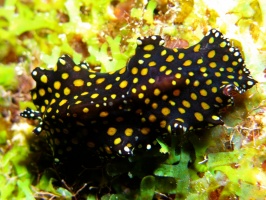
column 126, row 149
column 153, row 37
column 148, row 147
column 161, row 43
column 34, row 73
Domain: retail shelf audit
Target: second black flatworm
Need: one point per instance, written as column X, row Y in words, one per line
column 161, row 90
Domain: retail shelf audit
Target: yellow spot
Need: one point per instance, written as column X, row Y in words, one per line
column 143, row 87
column 104, row 114
column 163, row 124
column 123, row 84
column 179, row 120
column 173, row 82
column 52, row 101
column 145, row 130
column 135, row 80
column 85, row 110
column 134, row 90
column 108, row 87
column 147, row 100
column 218, row 74
column 172, row 103
column 144, row 72
column 152, row 64
column 181, row 56
column 211, row 54
column 198, row 116
column 213, row 64
column 234, row 63
column 218, row 99
column 154, row 105
column 113, row 96
column 129, row 132
column 168, row 72
column 187, row 81
column 78, row 82
column 92, row 76
column 200, row 61
column 205, row 106
column 164, row 97
column 186, row 104
column 41, row 92
column 49, row 109
column 65, row 76
column 148, row 47
column 196, row 83
column 163, row 52
column 42, row 109
column 196, row 48
column 178, row 75
column 57, row 95
column 49, row 90
column 152, row 118
column 117, row 141
column 84, row 93
column 62, row 102
column 211, row 40
column 209, row 82
column 215, row 117
column 44, row 78
column 134, row 70
column 193, row 96
column 34, row 96
column 229, row 69
column 223, row 44
column 95, row 95
column 78, row 102
column 225, row 58
column 76, row 68
column 108, row 150
column 122, row 71
column 140, row 95
column 66, row 91
column 147, row 55
column 76, row 96
column 214, row 89
column 162, row 68
column 156, row 92
column 165, row 111
column 89, row 84
column 170, row 58
column 100, row 80
column 187, row 63
column 151, row 80
column 230, row 77
column 203, row 92
column 176, row 93
column 57, row 85
column 182, row 110
column 111, row 131
column 191, row 73
column 203, row 69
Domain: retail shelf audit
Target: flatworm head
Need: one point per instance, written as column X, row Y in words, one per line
column 160, row 91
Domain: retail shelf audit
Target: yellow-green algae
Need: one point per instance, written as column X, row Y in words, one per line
column 227, row 160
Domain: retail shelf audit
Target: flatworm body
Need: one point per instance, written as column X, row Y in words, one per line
column 160, row 91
